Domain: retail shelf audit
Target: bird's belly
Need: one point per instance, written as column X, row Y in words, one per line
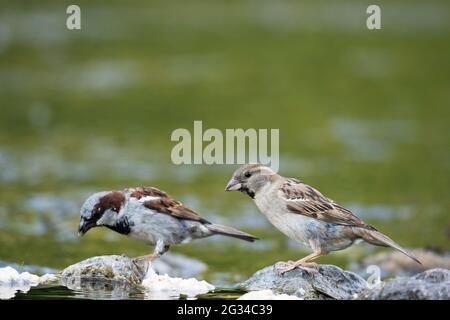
column 142, row 233
column 149, row 228
column 312, row 233
column 308, row 231
column 296, row 227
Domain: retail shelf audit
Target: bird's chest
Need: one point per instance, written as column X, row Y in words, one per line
column 151, row 227
column 145, row 233
column 294, row 226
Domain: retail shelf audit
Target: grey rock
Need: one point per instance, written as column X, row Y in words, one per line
column 106, row 272
column 102, row 271
column 325, row 282
column 432, row 284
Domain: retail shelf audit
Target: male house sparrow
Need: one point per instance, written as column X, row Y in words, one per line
column 304, row 214
column 152, row 216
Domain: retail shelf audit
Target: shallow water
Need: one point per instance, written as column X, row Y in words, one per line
column 363, row 117
column 61, row 292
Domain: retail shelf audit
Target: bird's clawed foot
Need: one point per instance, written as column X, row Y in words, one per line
column 143, row 263
column 283, row 267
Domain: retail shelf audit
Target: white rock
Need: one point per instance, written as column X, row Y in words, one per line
column 12, row 281
column 165, row 287
column 301, row 291
column 267, row 295
column 48, row 279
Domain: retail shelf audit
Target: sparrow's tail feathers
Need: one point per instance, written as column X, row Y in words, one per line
column 377, row 238
column 230, row 232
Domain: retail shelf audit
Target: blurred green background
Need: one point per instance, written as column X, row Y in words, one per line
column 363, row 116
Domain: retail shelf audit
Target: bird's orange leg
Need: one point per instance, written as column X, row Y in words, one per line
column 143, row 263
column 160, row 249
column 304, row 262
column 149, row 257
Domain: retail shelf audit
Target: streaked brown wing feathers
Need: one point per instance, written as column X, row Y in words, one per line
column 303, row 199
column 174, row 208
column 140, row 192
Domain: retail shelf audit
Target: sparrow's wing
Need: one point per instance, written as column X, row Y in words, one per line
column 303, row 199
column 160, row 201
column 174, row 208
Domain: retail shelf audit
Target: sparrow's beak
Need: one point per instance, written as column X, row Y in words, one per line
column 85, row 225
column 233, row 185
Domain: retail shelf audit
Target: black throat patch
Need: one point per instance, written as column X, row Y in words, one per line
column 246, row 190
column 122, row 226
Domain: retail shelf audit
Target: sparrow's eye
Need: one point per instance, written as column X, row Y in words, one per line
column 247, row 174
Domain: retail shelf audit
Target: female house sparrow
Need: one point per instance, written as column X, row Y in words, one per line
column 304, row 214
column 152, row 216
